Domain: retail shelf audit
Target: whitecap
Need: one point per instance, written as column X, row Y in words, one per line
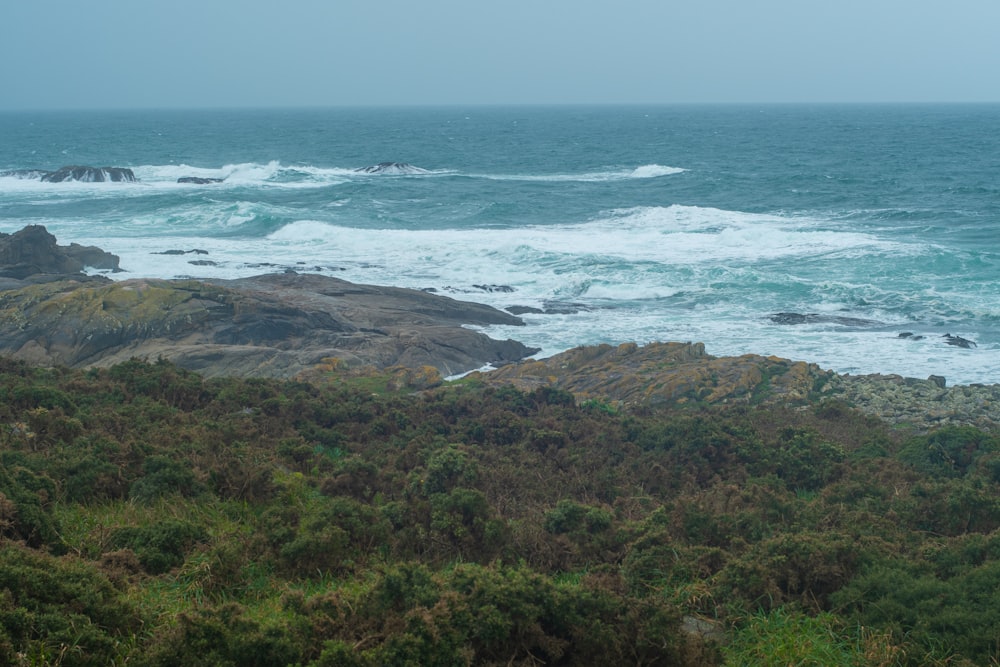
column 654, row 171
column 302, row 231
column 645, row 171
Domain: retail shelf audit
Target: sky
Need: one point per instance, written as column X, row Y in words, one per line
column 121, row 54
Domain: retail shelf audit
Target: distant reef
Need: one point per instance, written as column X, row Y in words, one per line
column 76, row 173
column 392, row 168
column 84, row 174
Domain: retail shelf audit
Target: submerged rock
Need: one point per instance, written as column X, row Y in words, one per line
column 815, row 318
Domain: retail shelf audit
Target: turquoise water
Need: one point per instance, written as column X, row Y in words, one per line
column 626, row 223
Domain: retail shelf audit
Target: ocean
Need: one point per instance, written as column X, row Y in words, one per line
column 876, row 227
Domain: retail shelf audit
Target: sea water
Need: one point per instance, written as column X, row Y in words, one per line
column 618, row 223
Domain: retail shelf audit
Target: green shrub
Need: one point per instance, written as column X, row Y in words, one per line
column 950, row 451
column 25, row 506
column 222, row 636
column 164, row 476
column 159, row 546
column 60, row 611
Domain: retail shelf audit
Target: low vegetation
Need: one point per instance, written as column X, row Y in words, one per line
column 149, row 516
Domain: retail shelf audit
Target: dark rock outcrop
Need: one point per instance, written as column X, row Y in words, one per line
column 198, row 180
column 194, row 251
column 814, row 318
column 393, row 168
column 958, row 341
column 550, row 308
column 89, row 175
column 32, row 255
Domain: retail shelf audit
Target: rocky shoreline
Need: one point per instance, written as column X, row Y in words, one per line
column 683, row 375
column 289, row 324
column 274, row 325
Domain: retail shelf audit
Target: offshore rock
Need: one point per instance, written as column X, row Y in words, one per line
column 89, row 175
column 276, row 325
column 198, row 180
column 814, row 318
column 958, row 341
column 392, row 168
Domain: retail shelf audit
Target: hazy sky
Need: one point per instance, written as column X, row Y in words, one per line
column 70, row 54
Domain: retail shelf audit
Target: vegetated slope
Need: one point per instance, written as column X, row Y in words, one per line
column 152, row 516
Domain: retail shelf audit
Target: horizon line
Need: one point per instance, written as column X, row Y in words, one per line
column 494, row 105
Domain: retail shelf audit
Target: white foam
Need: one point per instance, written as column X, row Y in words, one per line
column 246, row 174
column 654, row 171
column 303, row 231
column 645, row 171
column 638, row 274
column 274, row 174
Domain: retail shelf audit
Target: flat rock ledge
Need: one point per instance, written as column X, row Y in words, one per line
column 277, row 325
column 666, row 375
